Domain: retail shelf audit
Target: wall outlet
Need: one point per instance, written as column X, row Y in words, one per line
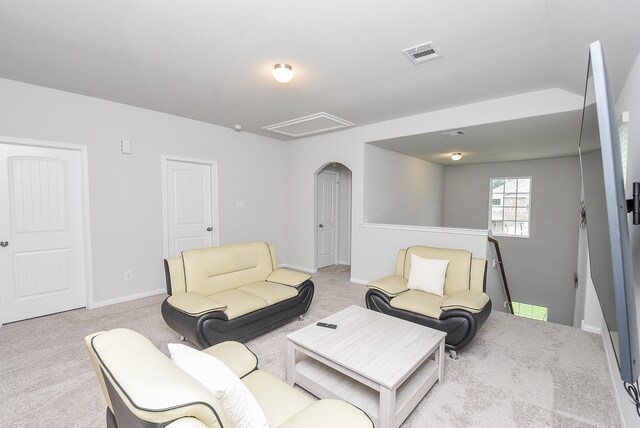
column 128, row 275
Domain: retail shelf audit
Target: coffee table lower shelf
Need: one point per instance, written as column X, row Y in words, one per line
column 326, row 382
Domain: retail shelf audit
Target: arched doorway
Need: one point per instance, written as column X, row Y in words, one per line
column 333, row 216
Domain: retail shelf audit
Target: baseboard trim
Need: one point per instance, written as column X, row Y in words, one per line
column 359, row 281
column 344, row 262
column 300, row 268
column 590, row 328
column 127, row 298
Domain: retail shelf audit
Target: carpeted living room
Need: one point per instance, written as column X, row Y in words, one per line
column 296, row 214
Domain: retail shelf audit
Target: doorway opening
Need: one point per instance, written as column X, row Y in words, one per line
column 333, row 216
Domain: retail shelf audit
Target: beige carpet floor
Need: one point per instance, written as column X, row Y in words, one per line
column 516, row 373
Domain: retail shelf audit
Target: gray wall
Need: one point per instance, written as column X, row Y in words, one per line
column 539, row 268
column 400, row 189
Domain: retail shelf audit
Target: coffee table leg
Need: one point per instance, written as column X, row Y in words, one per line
column 441, row 363
column 291, row 363
column 387, row 412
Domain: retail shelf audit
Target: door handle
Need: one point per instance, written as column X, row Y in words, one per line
column 209, row 229
column 320, row 225
column 4, row 244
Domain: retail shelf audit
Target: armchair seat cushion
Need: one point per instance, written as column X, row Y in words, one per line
column 469, row 300
column 419, row 302
column 270, row 291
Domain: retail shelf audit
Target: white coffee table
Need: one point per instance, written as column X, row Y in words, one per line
column 383, row 365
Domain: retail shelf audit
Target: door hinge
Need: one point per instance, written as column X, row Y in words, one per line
column 575, row 280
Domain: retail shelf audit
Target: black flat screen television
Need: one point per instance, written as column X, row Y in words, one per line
column 610, row 254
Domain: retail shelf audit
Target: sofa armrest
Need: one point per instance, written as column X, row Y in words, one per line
column 186, row 423
column 468, row 300
column 288, row 277
column 390, row 285
column 194, row 304
column 329, row 413
column 240, row 360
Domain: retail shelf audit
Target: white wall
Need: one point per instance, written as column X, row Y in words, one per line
column 125, row 190
column 400, row 189
column 306, row 156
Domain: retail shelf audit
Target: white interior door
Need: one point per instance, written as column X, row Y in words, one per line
column 190, row 196
column 327, row 219
column 41, row 231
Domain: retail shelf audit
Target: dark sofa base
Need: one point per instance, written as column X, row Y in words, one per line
column 214, row 327
column 460, row 325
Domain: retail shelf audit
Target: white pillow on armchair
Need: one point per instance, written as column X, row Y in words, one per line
column 240, row 405
column 427, row 275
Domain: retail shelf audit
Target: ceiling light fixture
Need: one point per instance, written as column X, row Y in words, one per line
column 456, row 156
column 282, row 72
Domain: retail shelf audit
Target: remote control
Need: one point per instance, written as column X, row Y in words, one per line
column 324, row 324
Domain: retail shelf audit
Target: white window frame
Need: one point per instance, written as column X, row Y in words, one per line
column 491, row 180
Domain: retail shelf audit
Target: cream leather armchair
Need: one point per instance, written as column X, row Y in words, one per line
column 460, row 312
column 143, row 388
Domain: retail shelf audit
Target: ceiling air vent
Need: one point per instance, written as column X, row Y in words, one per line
column 421, row 53
column 453, row 133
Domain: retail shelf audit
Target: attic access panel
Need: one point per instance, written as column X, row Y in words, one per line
column 309, row 125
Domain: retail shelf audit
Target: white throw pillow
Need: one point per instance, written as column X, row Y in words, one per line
column 427, row 275
column 242, row 409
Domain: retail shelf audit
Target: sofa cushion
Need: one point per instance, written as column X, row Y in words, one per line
column 239, row 302
column 329, row 413
column 240, row 406
column 278, row 400
column 427, row 275
column 419, row 302
column 194, row 304
column 458, row 272
column 469, row 300
column 215, row 269
column 390, row 285
column 270, row 291
column 288, row 277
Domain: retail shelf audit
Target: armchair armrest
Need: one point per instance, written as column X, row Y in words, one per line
column 240, row 360
column 288, row 277
column 469, row 300
column 390, row 285
column 329, row 413
column 194, row 303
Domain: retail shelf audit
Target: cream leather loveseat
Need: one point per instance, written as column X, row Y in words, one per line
column 144, row 388
column 460, row 311
column 232, row 292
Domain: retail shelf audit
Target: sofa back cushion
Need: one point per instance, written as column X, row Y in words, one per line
column 458, row 271
column 215, row 269
column 149, row 384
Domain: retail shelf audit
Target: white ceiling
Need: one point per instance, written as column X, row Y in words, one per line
column 211, row 60
column 539, row 137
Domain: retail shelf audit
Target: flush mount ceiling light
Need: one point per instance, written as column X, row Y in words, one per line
column 456, row 156
column 282, row 72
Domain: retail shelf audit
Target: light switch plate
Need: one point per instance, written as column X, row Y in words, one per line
column 125, row 147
